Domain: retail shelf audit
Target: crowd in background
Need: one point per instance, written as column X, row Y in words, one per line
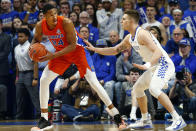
column 172, row 22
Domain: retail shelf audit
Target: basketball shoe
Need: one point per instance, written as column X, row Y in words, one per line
column 176, row 125
column 142, row 124
column 43, row 124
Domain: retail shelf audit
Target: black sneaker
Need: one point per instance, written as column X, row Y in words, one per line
column 44, row 124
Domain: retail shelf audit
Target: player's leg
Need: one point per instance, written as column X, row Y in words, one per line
column 47, row 77
column 138, row 89
column 157, row 83
column 92, row 79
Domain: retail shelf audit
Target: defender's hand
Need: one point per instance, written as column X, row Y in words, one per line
column 89, row 46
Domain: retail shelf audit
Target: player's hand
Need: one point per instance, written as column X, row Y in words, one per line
column 141, row 67
column 48, row 56
column 89, row 46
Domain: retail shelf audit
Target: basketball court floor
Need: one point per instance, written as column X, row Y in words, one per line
column 16, row 125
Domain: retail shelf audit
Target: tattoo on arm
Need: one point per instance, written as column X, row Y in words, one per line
column 122, row 48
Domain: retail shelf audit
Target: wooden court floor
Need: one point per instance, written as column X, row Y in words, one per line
column 84, row 126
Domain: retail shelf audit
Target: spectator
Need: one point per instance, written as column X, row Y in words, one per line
column 105, row 70
column 128, row 101
column 7, row 15
column 166, row 21
column 77, row 8
column 189, row 16
column 157, row 33
column 90, row 9
column 184, row 58
column 109, row 19
column 30, row 16
column 151, row 12
column 17, row 5
column 64, row 9
column 40, row 4
column 178, row 22
column 184, row 93
column 86, row 104
column 74, row 17
column 123, row 66
column 172, row 45
column 100, row 6
column 26, row 75
column 5, row 44
column 84, row 21
column 128, row 5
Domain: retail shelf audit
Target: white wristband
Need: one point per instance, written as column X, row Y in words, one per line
column 147, row 65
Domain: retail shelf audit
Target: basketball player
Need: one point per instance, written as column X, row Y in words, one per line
column 159, row 69
column 61, row 33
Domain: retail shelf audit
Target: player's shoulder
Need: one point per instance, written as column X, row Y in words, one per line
column 66, row 21
column 39, row 25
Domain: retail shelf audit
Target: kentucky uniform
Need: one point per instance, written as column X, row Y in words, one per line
column 159, row 74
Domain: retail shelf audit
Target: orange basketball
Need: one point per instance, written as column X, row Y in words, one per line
column 37, row 50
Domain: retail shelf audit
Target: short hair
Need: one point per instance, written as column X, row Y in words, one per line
column 135, row 70
column 25, row 31
column 133, row 14
column 47, row 7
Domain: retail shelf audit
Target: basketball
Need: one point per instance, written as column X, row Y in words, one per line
column 37, row 50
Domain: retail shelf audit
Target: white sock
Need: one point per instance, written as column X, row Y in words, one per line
column 174, row 115
column 114, row 111
column 44, row 115
column 133, row 110
column 145, row 116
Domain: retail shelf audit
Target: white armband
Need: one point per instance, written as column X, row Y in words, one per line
column 147, row 65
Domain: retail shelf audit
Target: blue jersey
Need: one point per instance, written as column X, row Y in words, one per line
column 8, row 18
column 32, row 17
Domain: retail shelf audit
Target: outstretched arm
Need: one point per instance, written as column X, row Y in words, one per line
column 110, row 50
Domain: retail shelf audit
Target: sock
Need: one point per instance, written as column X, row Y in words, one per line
column 114, row 111
column 174, row 115
column 44, row 115
column 145, row 116
column 133, row 110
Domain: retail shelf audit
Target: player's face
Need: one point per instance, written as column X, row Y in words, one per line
column 51, row 17
column 126, row 22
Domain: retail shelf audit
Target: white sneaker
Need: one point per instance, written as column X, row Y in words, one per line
column 133, row 117
column 176, row 125
column 142, row 124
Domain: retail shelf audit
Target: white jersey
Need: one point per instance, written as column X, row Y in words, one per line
column 144, row 52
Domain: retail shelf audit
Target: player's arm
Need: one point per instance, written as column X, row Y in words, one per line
column 111, row 50
column 70, row 37
column 145, row 38
column 163, row 34
column 38, row 33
